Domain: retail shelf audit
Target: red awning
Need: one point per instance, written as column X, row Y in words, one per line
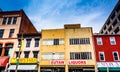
column 3, row 61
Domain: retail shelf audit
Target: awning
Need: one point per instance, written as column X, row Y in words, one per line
column 110, row 69
column 23, row 67
column 3, row 61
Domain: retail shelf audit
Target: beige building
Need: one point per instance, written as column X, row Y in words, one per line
column 112, row 24
column 11, row 24
column 67, row 50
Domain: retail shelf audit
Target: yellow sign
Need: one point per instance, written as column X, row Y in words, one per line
column 24, row 60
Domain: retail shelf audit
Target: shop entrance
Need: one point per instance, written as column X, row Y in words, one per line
column 81, row 69
column 52, row 69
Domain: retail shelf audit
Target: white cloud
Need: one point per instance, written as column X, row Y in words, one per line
column 47, row 14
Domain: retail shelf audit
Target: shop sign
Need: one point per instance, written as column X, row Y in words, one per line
column 24, row 60
column 77, row 62
column 108, row 64
column 57, row 62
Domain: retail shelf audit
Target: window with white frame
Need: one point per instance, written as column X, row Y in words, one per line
column 28, row 42
column 74, row 41
column 112, row 41
column 80, row 55
column 26, row 54
column 102, row 56
column 53, row 41
column 115, row 56
column 35, row 54
column 37, row 42
column 53, row 56
column 99, row 41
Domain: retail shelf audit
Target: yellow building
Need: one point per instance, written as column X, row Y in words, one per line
column 67, row 50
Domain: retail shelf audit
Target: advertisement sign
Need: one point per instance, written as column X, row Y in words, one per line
column 24, row 60
column 57, row 62
column 108, row 64
column 77, row 62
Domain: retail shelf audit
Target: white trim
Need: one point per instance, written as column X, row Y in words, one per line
column 117, row 55
column 103, row 56
column 112, row 39
column 99, row 39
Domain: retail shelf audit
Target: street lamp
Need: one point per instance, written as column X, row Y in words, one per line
column 19, row 52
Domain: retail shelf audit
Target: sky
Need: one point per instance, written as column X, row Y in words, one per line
column 53, row 14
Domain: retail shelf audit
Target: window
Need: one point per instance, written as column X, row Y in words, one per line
column 14, row 20
column 8, row 49
column 1, row 33
column 99, row 41
column 79, row 41
column 4, row 20
column 116, row 30
column 112, row 41
column 1, row 49
column 37, row 42
column 28, row 42
column 115, row 56
column 110, row 28
column 56, row 41
column 26, row 54
column 53, row 41
column 11, row 33
column 115, row 22
column 101, row 54
column 35, row 54
column 9, row 20
column 80, row 55
column 53, row 56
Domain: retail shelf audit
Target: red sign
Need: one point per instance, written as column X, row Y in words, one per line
column 57, row 62
column 77, row 62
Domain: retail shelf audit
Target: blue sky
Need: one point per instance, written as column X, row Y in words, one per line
column 52, row 14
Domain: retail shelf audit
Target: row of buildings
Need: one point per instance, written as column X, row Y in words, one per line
column 69, row 49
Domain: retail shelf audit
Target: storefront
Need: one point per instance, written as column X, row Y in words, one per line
column 25, row 65
column 3, row 63
column 108, row 66
column 80, row 66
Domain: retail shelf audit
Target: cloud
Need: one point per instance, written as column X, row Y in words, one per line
column 51, row 14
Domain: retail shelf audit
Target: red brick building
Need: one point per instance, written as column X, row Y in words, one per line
column 107, row 49
column 11, row 24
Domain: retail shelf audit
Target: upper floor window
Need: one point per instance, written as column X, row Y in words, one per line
column 28, row 42
column 4, row 20
column 112, row 41
column 14, row 20
column 35, row 54
column 26, row 54
column 102, row 57
column 99, row 41
column 9, row 20
column 1, row 33
column 11, row 33
column 53, row 56
column 37, row 42
column 80, row 55
column 115, row 56
column 53, row 41
column 8, row 49
column 79, row 41
column 1, row 49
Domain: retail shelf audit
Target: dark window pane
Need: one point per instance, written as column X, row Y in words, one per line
column 9, row 20
column 37, row 42
column 56, row 41
column 11, row 33
column 14, row 20
column 1, row 33
column 4, row 20
column 28, row 42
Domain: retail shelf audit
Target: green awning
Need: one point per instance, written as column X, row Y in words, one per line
column 110, row 69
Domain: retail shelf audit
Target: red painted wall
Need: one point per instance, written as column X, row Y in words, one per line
column 107, row 48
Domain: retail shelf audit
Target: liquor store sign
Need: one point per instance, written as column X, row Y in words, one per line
column 69, row 62
column 24, row 60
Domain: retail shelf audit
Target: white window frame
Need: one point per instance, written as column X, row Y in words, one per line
column 117, row 55
column 103, row 56
column 99, row 39
column 112, row 39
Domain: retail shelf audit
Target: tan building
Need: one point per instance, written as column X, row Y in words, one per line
column 67, row 50
column 112, row 24
column 11, row 24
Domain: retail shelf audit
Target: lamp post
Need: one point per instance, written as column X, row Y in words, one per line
column 19, row 52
